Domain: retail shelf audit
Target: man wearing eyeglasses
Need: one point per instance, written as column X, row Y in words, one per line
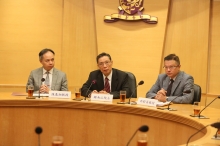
column 108, row 80
column 174, row 85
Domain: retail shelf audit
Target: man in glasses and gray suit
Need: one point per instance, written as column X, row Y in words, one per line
column 47, row 77
column 174, row 85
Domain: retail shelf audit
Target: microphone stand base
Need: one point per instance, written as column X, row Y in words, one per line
column 201, row 117
column 170, row 109
column 30, row 98
column 216, row 138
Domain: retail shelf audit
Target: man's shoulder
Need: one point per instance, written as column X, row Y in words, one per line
column 119, row 71
column 185, row 75
column 55, row 70
column 37, row 70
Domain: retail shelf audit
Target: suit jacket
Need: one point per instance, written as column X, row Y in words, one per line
column 59, row 80
column 183, row 82
column 119, row 82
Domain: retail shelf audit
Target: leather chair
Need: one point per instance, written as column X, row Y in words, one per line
column 132, row 84
column 197, row 93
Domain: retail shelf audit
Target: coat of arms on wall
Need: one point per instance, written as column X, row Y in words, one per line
column 130, row 10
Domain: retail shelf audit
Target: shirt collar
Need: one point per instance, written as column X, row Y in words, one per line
column 51, row 71
column 109, row 76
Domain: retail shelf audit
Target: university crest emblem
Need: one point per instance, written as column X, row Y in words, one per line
column 130, row 10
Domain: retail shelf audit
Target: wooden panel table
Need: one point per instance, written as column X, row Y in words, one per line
column 85, row 123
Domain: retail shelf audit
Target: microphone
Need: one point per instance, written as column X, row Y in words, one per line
column 38, row 130
column 196, row 133
column 143, row 128
column 93, row 82
column 216, row 125
column 140, row 83
column 202, row 117
column 42, row 80
column 168, row 108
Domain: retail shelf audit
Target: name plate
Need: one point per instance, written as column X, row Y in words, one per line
column 102, row 97
column 147, row 101
column 60, row 94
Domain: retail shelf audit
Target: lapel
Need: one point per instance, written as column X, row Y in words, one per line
column 176, row 82
column 100, row 81
column 54, row 78
column 39, row 75
column 166, row 83
column 114, row 82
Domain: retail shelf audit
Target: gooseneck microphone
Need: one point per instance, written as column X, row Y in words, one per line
column 38, row 130
column 187, row 91
column 196, row 133
column 140, row 83
column 205, row 108
column 143, row 128
column 42, row 80
column 216, row 125
column 93, row 82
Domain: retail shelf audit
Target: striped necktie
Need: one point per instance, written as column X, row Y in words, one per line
column 47, row 80
column 107, row 86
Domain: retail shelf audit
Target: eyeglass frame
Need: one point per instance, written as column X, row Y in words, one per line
column 107, row 63
column 170, row 67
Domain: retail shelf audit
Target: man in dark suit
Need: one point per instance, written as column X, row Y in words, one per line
column 54, row 78
column 108, row 80
column 174, row 85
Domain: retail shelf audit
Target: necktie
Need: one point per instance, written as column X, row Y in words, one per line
column 169, row 87
column 107, row 86
column 47, row 80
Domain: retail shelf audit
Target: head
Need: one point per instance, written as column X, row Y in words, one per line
column 104, row 62
column 46, row 58
column 172, row 65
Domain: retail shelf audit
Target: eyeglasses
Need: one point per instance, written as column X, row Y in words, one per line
column 106, row 63
column 169, row 67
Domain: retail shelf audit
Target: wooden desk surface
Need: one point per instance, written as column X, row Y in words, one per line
column 95, row 123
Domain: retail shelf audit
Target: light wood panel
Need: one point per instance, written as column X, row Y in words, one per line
column 79, row 41
column 134, row 46
column 187, row 36
column 214, row 63
column 27, row 27
column 92, row 123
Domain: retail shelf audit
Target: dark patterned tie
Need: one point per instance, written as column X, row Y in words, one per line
column 107, row 86
column 169, row 87
column 47, row 80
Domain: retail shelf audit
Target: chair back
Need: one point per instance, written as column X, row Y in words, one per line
column 132, row 84
column 197, row 93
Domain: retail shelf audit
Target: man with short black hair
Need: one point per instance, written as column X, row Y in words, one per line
column 108, row 80
column 54, row 78
column 173, row 83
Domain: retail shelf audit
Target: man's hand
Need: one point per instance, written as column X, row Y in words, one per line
column 44, row 89
column 161, row 95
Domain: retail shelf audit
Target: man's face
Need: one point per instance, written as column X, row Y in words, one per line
column 105, row 65
column 47, row 61
column 171, row 68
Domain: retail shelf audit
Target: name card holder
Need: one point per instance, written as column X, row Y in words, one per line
column 60, row 94
column 102, row 97
column 147, row 101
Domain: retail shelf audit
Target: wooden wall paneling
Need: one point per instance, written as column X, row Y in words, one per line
column 187, row 37
column 79, row 41
column 27, row 26
column 214, row 63
column 134, row 46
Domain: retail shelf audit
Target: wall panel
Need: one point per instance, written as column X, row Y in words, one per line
column 27, row 26
column 187, row 36
column 134, row 46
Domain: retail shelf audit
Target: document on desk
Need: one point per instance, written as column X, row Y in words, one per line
column 163, row 103
column 41, row 94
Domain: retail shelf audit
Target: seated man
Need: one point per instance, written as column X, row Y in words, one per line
column 108, row 79
column 54, row 78
column 174, row 85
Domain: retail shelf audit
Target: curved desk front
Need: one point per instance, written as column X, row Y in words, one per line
column 84, row 123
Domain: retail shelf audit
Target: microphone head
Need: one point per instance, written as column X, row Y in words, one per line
column 143, row 128
column 94, row 81
column 141, row 82
column 38, row 130
column 43, row 79
column 216, row 125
